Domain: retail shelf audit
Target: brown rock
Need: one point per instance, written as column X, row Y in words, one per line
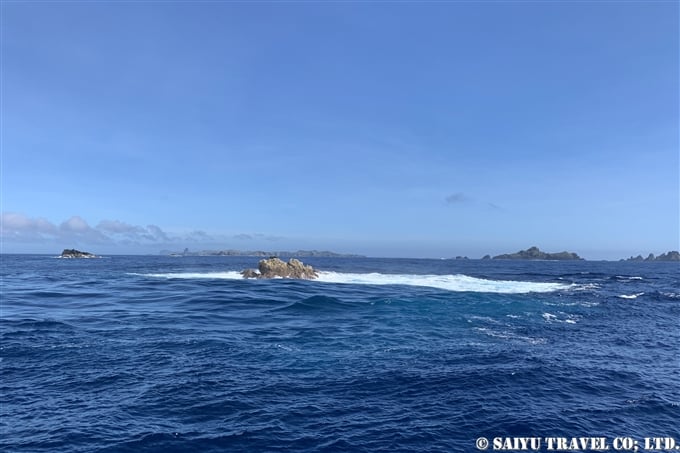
column 273, row 267
column 297, row 269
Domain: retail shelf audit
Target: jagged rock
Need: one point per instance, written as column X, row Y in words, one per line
column 273, row 267
column 636, row 258
column 534, row 253
column 73, row 253
column 299, row 270
column 250, row 273
column 673, row 255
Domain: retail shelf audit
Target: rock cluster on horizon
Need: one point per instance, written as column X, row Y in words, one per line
column 534, row 253
column 673, row 255
column 73, row 253
column 281, row 254
column 274, row 267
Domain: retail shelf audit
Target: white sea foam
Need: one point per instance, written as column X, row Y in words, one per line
column 549, row 317
column 561, row 317
column 630, row 296
column 229, row 275
column 446, row 282
column 585, row 287
column 508, row 335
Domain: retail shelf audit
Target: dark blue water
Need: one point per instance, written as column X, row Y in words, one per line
column 147, row 354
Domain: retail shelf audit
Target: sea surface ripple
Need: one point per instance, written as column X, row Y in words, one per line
column 172, row 354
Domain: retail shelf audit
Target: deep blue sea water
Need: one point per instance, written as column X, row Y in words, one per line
column 173, row 354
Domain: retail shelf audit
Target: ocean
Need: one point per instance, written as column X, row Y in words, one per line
column 176, row 354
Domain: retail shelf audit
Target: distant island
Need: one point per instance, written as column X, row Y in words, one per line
column 534, row 253
column 673, row 255
column 260, row 253
column 73, row 253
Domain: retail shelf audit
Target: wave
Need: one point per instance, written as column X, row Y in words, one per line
column 229, row 275
column 566, row 318
column 458, row 283
column 630, row 296
column 511, row 336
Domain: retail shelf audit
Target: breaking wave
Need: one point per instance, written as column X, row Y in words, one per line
column 459, row 282
column 229, row 275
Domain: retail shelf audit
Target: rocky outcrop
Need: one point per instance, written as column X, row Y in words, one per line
column 275, row 268
column 73, row 253
column 534, row 253
column 673, row 255
column 250, row 273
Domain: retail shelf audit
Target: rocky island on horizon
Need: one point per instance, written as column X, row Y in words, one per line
column 534, row 253
column 286, row 254
column 73, row 253
column 672, row 255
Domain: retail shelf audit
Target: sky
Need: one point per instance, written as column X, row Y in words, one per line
column 393, row 129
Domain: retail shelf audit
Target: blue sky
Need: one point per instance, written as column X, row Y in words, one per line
column 424, row 129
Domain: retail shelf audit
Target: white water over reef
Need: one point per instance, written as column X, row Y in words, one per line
column 456, row 282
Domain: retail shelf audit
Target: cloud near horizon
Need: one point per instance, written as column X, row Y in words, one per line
column 19, row 228
column 253, row 236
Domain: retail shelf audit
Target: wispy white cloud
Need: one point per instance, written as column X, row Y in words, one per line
column 118, row 227
column 155, row 233
column 78, row 229
column 201, row 236
column 19, row 228
column 257, row 236
column 14, row 225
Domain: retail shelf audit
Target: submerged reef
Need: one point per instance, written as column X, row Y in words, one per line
column 533, row 253
column 276, row 268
